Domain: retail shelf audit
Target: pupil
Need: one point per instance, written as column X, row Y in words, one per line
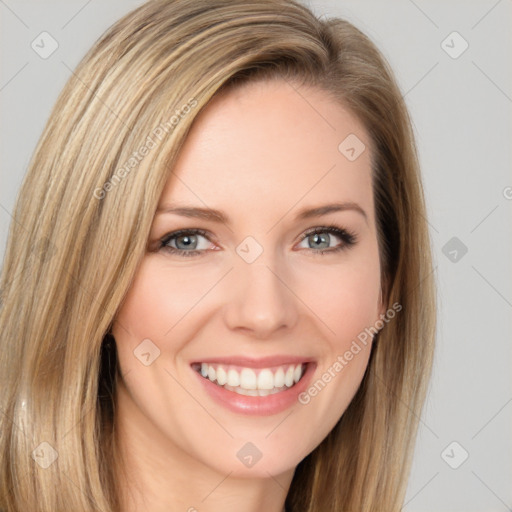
column 187, row 239
column 320, row 237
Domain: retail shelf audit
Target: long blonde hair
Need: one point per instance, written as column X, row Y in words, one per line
column 82, row 221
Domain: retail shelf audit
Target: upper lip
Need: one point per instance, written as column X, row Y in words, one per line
column 261, row 362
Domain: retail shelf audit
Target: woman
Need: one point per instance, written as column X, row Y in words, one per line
column 217, row 290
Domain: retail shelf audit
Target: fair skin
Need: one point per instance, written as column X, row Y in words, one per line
column 261, row 154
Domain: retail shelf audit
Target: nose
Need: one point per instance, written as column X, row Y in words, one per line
column 260, row 302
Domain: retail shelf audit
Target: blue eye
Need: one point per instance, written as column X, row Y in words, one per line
column 185, row 242
column 320, row 236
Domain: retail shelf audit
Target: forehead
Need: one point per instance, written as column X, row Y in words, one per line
column 271, row 147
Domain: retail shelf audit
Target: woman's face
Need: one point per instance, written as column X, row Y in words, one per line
column 247, row 293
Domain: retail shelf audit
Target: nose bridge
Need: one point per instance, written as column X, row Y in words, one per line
column 260, row 301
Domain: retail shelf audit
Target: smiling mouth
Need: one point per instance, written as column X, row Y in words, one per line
column 252, row 381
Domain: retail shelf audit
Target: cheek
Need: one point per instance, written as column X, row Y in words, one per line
column 345, row 297
column 346, row 300
column 158, row 300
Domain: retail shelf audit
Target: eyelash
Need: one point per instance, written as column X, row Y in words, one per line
column 348, row 238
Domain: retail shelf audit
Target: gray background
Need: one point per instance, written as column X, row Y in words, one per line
column 461, row 108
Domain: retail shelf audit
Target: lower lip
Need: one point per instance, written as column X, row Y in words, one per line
column 258, row 405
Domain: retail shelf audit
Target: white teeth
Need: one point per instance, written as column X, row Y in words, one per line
column 247, row 379
column 240, row 391
column 222, row 377
column 253, row 382
column 266, row 380
column 254, row 392
column 279, row 378
column 233, row 378
column 297, row 374
column 288, row 378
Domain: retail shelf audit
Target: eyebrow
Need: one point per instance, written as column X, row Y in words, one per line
column 214, row 215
